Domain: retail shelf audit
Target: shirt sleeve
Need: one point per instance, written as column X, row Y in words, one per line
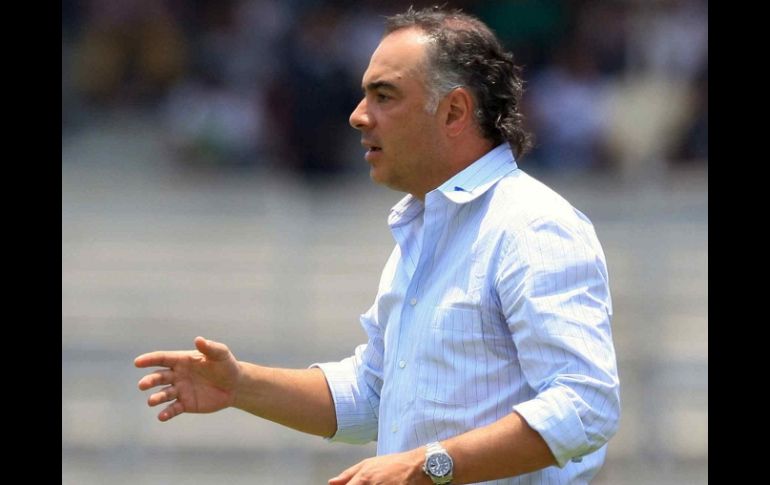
column 554, row 293
column 355, row 384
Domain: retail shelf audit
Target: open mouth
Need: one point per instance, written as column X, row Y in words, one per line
column 372, row 150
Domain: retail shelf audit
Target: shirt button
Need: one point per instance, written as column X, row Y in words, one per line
column 402, row 363
column 395, row 428
column 413, row 301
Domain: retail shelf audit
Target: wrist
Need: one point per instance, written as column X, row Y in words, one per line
column 247, row 382
column 417, row 461
column 240, row 383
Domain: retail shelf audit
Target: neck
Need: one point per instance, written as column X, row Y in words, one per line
column 458, row 157
column 467, row 152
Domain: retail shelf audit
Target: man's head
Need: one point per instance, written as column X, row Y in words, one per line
column 438, row 93
column 464, row 52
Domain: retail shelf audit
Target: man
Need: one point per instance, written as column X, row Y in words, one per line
column 489, row 353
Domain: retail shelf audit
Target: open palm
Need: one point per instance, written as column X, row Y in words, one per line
column 201, row 381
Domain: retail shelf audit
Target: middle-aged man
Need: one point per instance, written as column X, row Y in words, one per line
column 489, row 353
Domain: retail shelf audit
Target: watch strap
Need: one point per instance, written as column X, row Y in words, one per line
column 434, row 447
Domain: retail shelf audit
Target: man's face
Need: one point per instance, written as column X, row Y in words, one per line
column 401, row 137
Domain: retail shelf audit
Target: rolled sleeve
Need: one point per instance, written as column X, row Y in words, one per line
column 355, row 400
column 559, row 424
column 556, row 300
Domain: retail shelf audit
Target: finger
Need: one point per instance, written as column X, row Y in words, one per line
column 158, row 378
column 161, row 358
column 168, row 394
column 339, row 480
column 211, row 349
column 172, row 410
column 346, row 475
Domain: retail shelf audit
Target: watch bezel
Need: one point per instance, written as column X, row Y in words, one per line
column 435, row 453
column 433, row 464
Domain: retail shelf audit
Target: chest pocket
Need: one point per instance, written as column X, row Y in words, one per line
column 452, row 359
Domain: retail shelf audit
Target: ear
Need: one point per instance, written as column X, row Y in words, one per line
column 459, row 114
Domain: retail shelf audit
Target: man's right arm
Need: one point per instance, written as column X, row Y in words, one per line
column 337, row 400
column 297, row 398
column 211, row 379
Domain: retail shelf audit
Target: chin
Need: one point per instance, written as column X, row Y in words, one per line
column 381, row 177
column 377, row 176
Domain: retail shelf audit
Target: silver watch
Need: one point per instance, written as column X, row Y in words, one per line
column 438, row 464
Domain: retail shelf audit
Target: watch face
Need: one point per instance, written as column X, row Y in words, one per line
column 439, row 465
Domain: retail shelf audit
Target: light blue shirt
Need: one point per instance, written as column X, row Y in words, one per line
column 496, row 298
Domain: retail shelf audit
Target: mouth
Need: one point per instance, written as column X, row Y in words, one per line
column 372, row 150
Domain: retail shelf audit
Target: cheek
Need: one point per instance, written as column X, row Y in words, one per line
column 414, row 129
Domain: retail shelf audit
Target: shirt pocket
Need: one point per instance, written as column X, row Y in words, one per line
column 452, row 359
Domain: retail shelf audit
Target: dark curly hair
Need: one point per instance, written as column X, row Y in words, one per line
column 465, row 52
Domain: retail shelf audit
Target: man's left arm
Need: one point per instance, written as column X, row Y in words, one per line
column 505, row 448
column 554, row 293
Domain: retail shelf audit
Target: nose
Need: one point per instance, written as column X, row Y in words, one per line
column 359, row 118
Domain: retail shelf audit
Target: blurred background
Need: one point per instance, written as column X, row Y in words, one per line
column 212, row 186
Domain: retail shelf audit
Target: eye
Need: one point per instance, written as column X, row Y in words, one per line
column 381, row 98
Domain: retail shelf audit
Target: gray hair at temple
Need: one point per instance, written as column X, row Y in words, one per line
column 465, row 52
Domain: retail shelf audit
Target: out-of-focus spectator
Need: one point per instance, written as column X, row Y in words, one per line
column 669, row 39
column 323, row 92
column 128, row 52
column 602, row 29
column 530, row 28
column 568, row 111
column 694, row 145
column 221, row 114
column 655, row 103
column 208, row 124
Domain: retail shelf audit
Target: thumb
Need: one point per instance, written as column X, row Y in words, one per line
column 211, row 349
column 346, row 476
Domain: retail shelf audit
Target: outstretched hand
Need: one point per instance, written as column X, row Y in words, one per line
column 202, row 381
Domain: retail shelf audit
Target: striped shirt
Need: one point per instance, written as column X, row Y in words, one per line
column 495, row 298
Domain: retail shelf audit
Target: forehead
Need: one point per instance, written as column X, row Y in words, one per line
column 400, row 56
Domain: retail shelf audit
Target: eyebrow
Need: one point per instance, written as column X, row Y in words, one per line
column 375, row 85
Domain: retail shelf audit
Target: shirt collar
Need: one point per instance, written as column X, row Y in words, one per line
column 465, row 186
column 478, row 177
column 405, row 210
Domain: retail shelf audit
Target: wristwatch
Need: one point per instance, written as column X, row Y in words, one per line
column 438, row 464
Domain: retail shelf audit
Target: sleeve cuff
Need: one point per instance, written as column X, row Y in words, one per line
column 356, row 421
column 553, row 416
